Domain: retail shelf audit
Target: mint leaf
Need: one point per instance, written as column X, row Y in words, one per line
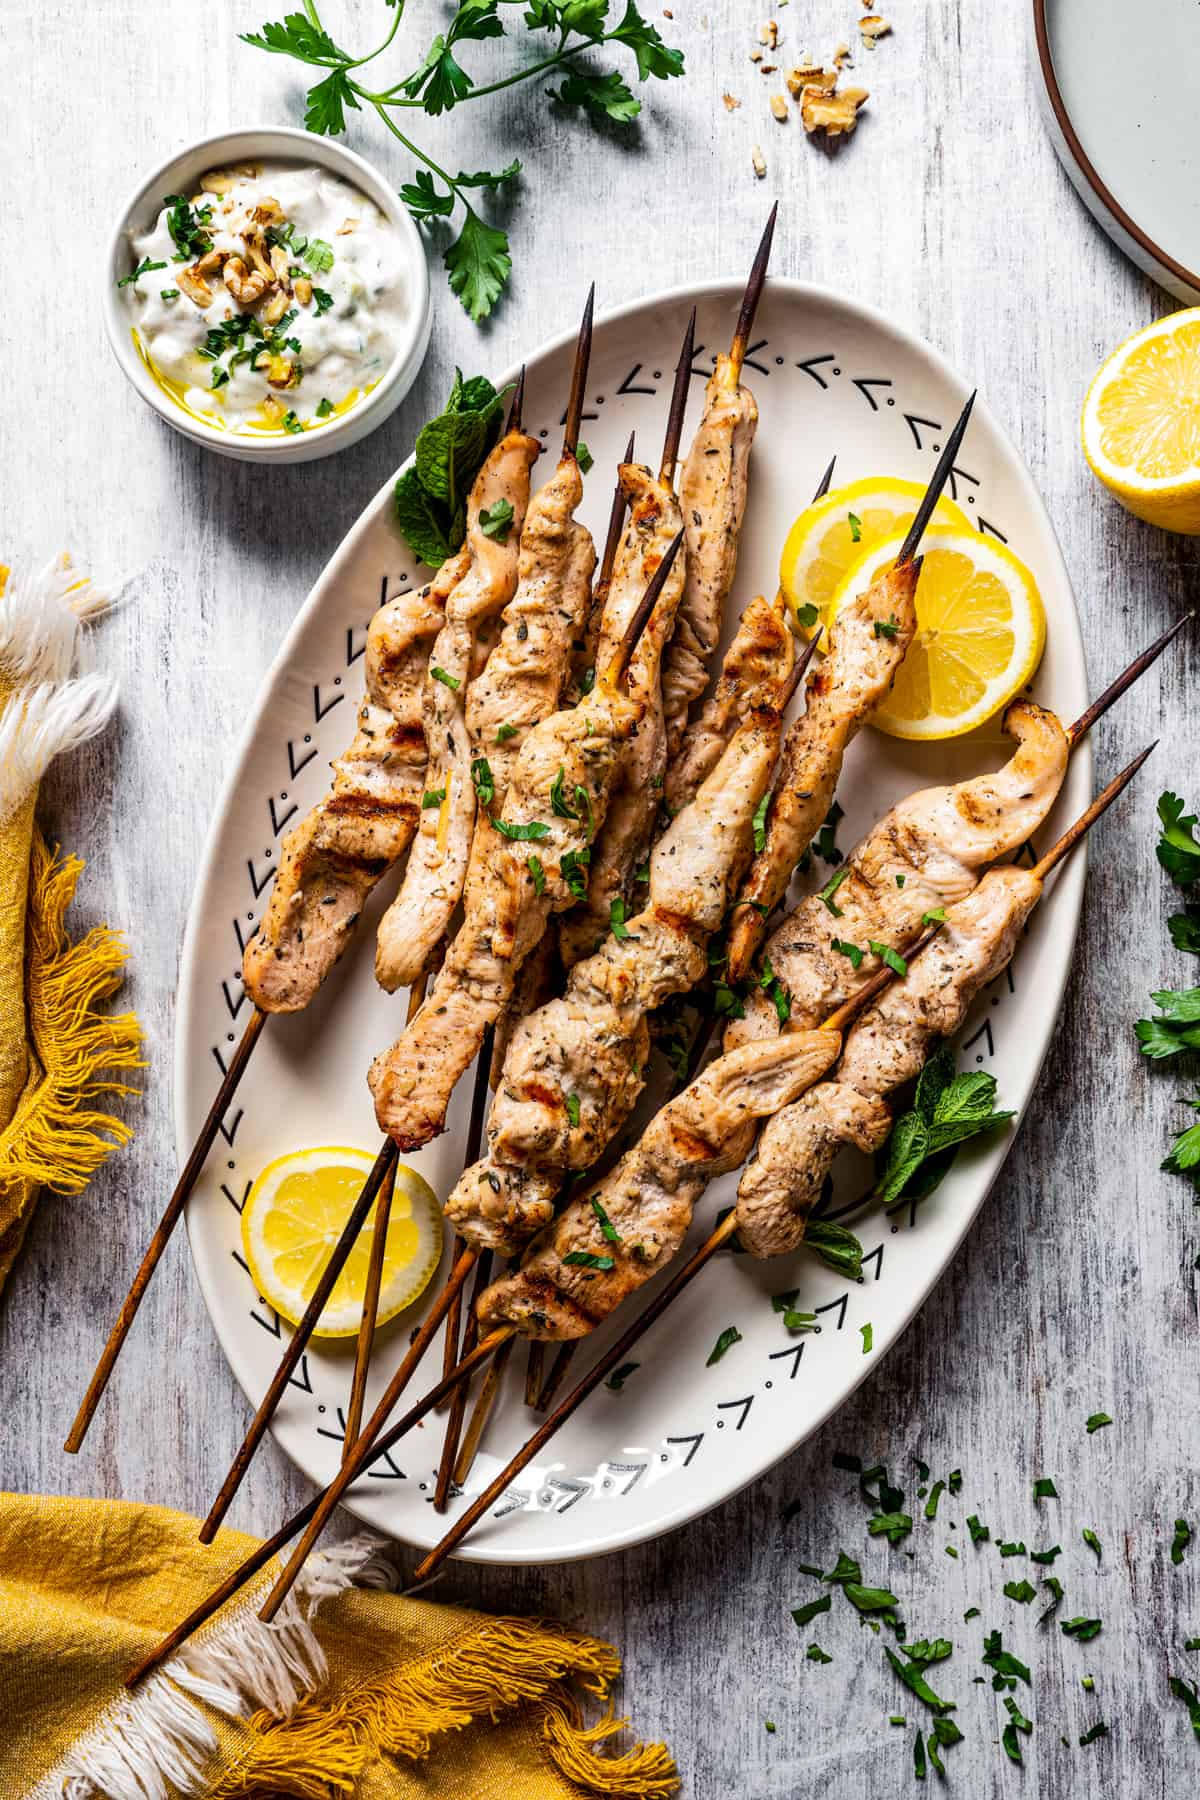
column 421, row 520
column 837, row 1248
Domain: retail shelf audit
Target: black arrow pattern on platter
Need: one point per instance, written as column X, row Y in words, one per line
column 277, row 824
column 988, row 529
column 255, row 883
column 511, row 1500
column 875, row 1256
column 912, row 420
column 352, row 655
column 635, row 1471
column 229, row 1132
column 795, row 1351
column 234, row 1006
column 957, row 475
column 295, row 766
column 390, row 1472
column 572, row 1490
column 243, row 938
column 728, row 1405
column 864, row 384
column 695, row 1442
column 338, row 1436
column 813, row 363
column 274, row 1327
column 300, row 1378
column 627, row 384
column 842, row 1303
column 984, row 1032
column 239, row 1206
column 749, row 361
column 320, row 708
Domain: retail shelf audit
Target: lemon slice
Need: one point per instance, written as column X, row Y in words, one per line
column 981, row 630
column 1141, row 423
column 834, row 532
column 294, row 1215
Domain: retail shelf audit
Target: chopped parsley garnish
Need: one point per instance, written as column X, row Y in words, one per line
column 607, row 1228
column 769, row 1725
column 850, row 950
column 727, row 1002
column 483, row 781
column 143, row 268
column 826, row 840
column 496, row 521
column 1012, row 1549
column 529, row 833
column 1046, row 1556
column 587, row 682
column 583, row 457
column 887, row 628
column 1081, row 1628
column 585, row 1259
column 730, row 1336
column 450, row 681
column 830, row 889
column 1007, row 1669
column 1178, row 850
column 619, row 1377
column 910, row 1674
column 572, row 1105
column 893, row 1526
column 867, row 1333
column 168, row 294
column 1093, row 1542
column 318, row 255
column 322, row 300
column 187, row 227
column 900, row 880
column 1020, row 1590
column 807, row 616
column 815, row 1654
column 1099, row 1729
column 1096, row 1420
column 616, row 919
column 504, row 732
column 893, row 960
column 537, row 873
column 855, row 528
column 804, row 1615
column 980, row 1533
column 1182, row 1690
column 1181, row 1540
column 1044, row 1489
column 935, row 916
column 558, row 796
column 760, row 822
column 219, row 376
column 324, row 407
column 432, row 797
column 572, row 868
column 931, row 1505
column 291, row 423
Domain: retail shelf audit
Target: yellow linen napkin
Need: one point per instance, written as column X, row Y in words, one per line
column 53, row 1041
column 351, row 1691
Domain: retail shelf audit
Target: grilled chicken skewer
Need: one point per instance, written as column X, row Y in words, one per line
column 1003, row 925
column 874, row 635
column 712, row 493
column 654, row 518
column 544, row 592
column 748, row 674
column 330, row 861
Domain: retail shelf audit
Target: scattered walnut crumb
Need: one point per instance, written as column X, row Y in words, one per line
column 768, row 34
column 873, row 27
column 834, row 114
column 767, row 68
column 841, row 55
column 346, row 227
column 810, row 74
column 731, row 102
column 667, row 13
column 759, row 161
column 779, row 107
column 756, row 56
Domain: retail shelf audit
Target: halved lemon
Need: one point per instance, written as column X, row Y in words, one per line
column 294, row 1215
column 1141, row 423
column 836, row 531
column 981, row 630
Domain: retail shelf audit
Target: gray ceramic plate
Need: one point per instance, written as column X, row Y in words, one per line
column 1120, row 85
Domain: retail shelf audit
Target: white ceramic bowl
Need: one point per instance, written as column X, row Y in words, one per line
column 277, row 143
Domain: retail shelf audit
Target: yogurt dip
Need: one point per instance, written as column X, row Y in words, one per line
column 270, row 300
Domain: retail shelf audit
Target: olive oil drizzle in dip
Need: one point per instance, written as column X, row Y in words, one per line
column 284, row 295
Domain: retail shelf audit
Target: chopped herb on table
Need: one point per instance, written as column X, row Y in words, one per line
column 1183, row 1690
column 868, row 1337
column 1044, row 1489
column 478, row 260
column 1093, row 1542
column 1181, row 1540
column 1082, row 1628
column 619, row 1377
column 1096, row 1420
column 804, row 1615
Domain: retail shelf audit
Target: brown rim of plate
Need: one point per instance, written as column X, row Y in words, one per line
column 1084, row 164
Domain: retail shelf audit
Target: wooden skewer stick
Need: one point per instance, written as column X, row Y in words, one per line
column 654, row 1309
column 1125, row 679
column 573, row 416
column 646, row 605
column 558, row 1373
column 163, row 1230
column 937, row 481
column 750, row 300
column 488, row 1394
column 384, row 1163
column 534, row 1372
column 679, row 399
column 458, row 1404
column 374, row 1281
column 517, row 405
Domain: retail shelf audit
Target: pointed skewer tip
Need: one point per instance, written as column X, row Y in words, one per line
column 937, row 481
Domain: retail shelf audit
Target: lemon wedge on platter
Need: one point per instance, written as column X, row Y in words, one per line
column 294, row 1215
column 981, row 630
column 835, row 531
column 1141, row 423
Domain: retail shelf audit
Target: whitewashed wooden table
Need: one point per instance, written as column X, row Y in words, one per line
column 1076, row 1291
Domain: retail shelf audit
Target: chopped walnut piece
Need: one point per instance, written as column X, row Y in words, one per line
column 280, row 372
column 302, row 289
column 275, row 308
column 245, row 288
column 346, row 227
column 731, row 102
column 873, row 27
column 841, row 56
column 756, row 56
column 195, row 287
column 768, row 34
column 256, row 247
column 779, row 107
column 767, row 68
column 810, row 74
column 268, row 211
column 210, row 262
column 834, row 114
column 759, row 161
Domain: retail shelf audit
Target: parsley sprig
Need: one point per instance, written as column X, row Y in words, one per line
column 478, row 263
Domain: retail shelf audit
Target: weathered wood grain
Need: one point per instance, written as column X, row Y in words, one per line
column 1076, row 1291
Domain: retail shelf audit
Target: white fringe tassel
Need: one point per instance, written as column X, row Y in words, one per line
column 59, row 700
column 157, row 1741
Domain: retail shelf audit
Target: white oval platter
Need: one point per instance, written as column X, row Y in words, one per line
column 831, row 377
